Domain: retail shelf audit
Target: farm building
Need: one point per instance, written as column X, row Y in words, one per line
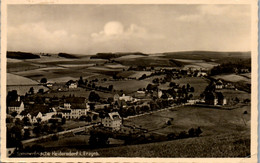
column 219, row 84
column 126, row 98
column 15, row 106
column 113, row 121
column 215, row 98
column 78, row 106
column 73, row 85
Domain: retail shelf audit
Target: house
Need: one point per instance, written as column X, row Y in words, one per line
column 64, row 113
column 202, row 74
column 244, row 70
column 116, row 97
column 126, row 98
column 229, row 86
column 78, row 106
column 49, row 84
column 219, row 84
column 113, row 121
column 215, row 98
column 73, row 85
column 15, row 106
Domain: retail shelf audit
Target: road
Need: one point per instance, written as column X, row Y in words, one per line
column 151, row 112
column 75, row 130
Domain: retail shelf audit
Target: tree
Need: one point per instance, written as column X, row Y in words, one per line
column 190, row 96
column 172, row 84
column 92, row 106
column 26, row 121
column 11, row 96
column 27, row 134
column 88, row 119
column 63, row 120
column 31, row 90
column 43, row 80
column 192, row 89
column 198, row 131
column 94, row 97
column 41, row 90
column 95, row 117
column 191, row 132
column 110, row 87
column 14, row 114
column 81, row 82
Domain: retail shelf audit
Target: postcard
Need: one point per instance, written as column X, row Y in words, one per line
column 129, row 81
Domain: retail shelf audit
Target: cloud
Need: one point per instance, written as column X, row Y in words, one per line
column 209, row 12
column 115, row 30
column 37, row 37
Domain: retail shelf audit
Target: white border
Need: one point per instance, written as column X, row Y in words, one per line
column 254, row 97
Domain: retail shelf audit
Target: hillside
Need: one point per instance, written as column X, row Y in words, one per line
column 21, row 55
column 19, row 80
column 234, row 145
column 65, row 55
column 114, row 55
column 206, row 55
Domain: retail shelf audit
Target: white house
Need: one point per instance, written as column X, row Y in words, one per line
column 219, row 84
column 126, row 98
column 15, row 106
column 113, row 121
column 73, row 85
column 76, row 106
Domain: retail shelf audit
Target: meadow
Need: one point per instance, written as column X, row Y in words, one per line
column 212, row 121
column 233, row 78
column 226, row 145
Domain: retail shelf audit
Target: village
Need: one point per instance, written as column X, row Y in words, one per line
column 36, row 114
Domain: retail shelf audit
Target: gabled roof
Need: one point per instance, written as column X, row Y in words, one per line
column 15, row 104
column 75, row 100
column 114, row 116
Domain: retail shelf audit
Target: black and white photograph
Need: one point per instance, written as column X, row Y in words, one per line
column 129, row 80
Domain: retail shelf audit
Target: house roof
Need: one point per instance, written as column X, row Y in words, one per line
column 114, row 116
column 15, row 104
column 75, row 100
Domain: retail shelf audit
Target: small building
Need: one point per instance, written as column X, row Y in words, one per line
column 202, row 74
column 78, row 106
column 73, row 85
column 49, row 84
column 126, row 98
column 215, row 98
column 219, row 84
column 113, row 121
column 15, row 106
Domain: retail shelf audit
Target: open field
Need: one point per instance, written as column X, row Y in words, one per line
column 127, row 86
column 22, row 89
column 226, row 145
column 232, row 94
column 211, row 121
column 233, row 78
column 79, row 92
column 19, row 80
column 198, row 83
column 247, row 75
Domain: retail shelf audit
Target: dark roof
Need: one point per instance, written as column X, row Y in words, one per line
column 78, row 106
column 64, row 111
column 15, row 104
column 75, row 100
column 36, row 108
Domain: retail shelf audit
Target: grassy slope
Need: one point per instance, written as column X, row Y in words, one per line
column 235, row 145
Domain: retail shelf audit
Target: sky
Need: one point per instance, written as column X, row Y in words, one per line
column 89, row 29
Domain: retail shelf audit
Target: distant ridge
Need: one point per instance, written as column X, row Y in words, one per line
column 65, row 55
column 115, row 55
column 21, row 55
